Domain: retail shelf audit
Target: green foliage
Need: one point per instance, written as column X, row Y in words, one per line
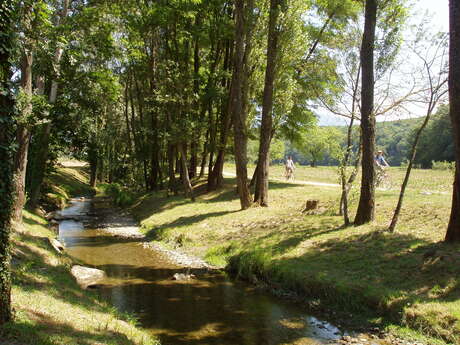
column 7, row 125
column 121, row 196
column 443, row 165
column 319, row 142
column 436, row 142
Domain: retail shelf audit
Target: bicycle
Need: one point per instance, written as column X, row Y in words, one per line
column 289, row 174
column 382, row 179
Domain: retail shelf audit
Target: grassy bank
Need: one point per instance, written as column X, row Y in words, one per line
column 49, row 307
column 408, row 279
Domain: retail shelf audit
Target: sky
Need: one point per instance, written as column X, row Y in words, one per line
column 439, row 9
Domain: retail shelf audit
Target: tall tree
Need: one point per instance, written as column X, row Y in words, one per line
column 239, row 112
column 42, row 154
column 266, row 128
column 453, row 229
column 366, row 207
column 23, row 128
column 6, row 156
column 432, row 57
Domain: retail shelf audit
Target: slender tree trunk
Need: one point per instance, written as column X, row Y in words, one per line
column 261, row 196
column 6, row 159
column 23, row 138
column 171, row 172
column 185, row 177
column 346, row 185
column 366, row 207
column 215, row 178
column 238, row 112
column 397, row 211
column 453, row 229
column 204, row 155
column 42, row 154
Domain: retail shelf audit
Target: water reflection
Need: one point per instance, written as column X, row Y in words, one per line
column 208, row 310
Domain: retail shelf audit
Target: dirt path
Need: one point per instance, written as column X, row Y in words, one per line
column 310, row 183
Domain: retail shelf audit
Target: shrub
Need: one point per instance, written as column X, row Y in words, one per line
column 121, row 195
column 443, row 165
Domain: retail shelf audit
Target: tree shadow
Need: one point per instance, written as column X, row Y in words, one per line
column 72, row 185
column 206, row 310
column 45, row 330
column 158, row 231
column 375, row 272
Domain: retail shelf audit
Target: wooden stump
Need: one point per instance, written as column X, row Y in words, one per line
column 311, row 204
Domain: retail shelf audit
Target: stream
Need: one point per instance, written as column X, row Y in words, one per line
column 209, row 309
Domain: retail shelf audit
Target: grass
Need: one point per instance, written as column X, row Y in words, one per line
column 49, row 306
column 64, row 183
column 409, row 280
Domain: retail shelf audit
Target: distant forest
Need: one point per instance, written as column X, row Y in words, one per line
column 395, row 139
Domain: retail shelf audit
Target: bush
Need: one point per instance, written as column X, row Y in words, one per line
column 444, row 165
column 121, row 195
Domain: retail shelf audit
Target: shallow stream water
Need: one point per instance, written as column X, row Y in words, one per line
column 210, row 309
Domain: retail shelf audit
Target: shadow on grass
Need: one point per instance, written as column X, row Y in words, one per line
column 158, row 231
column 72, row 185
column 387, row 273
column 33, row 272
column 48, row 331
column 156, row 202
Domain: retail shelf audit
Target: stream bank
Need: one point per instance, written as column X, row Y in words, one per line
column 208, row 308
column 203, row 305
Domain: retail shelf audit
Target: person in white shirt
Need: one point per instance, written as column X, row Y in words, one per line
column 290, row 167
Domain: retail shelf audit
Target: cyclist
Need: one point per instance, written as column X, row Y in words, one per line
column 382, row 178
column 290, row 167
column 380, row 160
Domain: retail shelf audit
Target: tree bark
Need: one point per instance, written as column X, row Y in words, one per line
column 261, row 192
column 23, row 137
column 346, row 185
column 185, row 177
column 453, row 229
column 42, row 154
column 204, row 155
column 6, row 159
column 366, row 207
column 171, row 171
column 215, row 178
column 239, row 114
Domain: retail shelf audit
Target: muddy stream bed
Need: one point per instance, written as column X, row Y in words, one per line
column 208, row 309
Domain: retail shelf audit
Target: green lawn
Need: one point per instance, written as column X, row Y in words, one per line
column 410, row 277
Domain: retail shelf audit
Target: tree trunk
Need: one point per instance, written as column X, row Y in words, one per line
column 93, row 165
column 193, row 159
column 261, row 196
column 346, row 185
column 239, row 114
column 171, row 172
column 366, row 207
column 204, row 155
column 23, row 138
column 6, row 159
column 215, row 178
column 42, row 154
column 453, row 229
column 431, row 105
column 185, row 177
